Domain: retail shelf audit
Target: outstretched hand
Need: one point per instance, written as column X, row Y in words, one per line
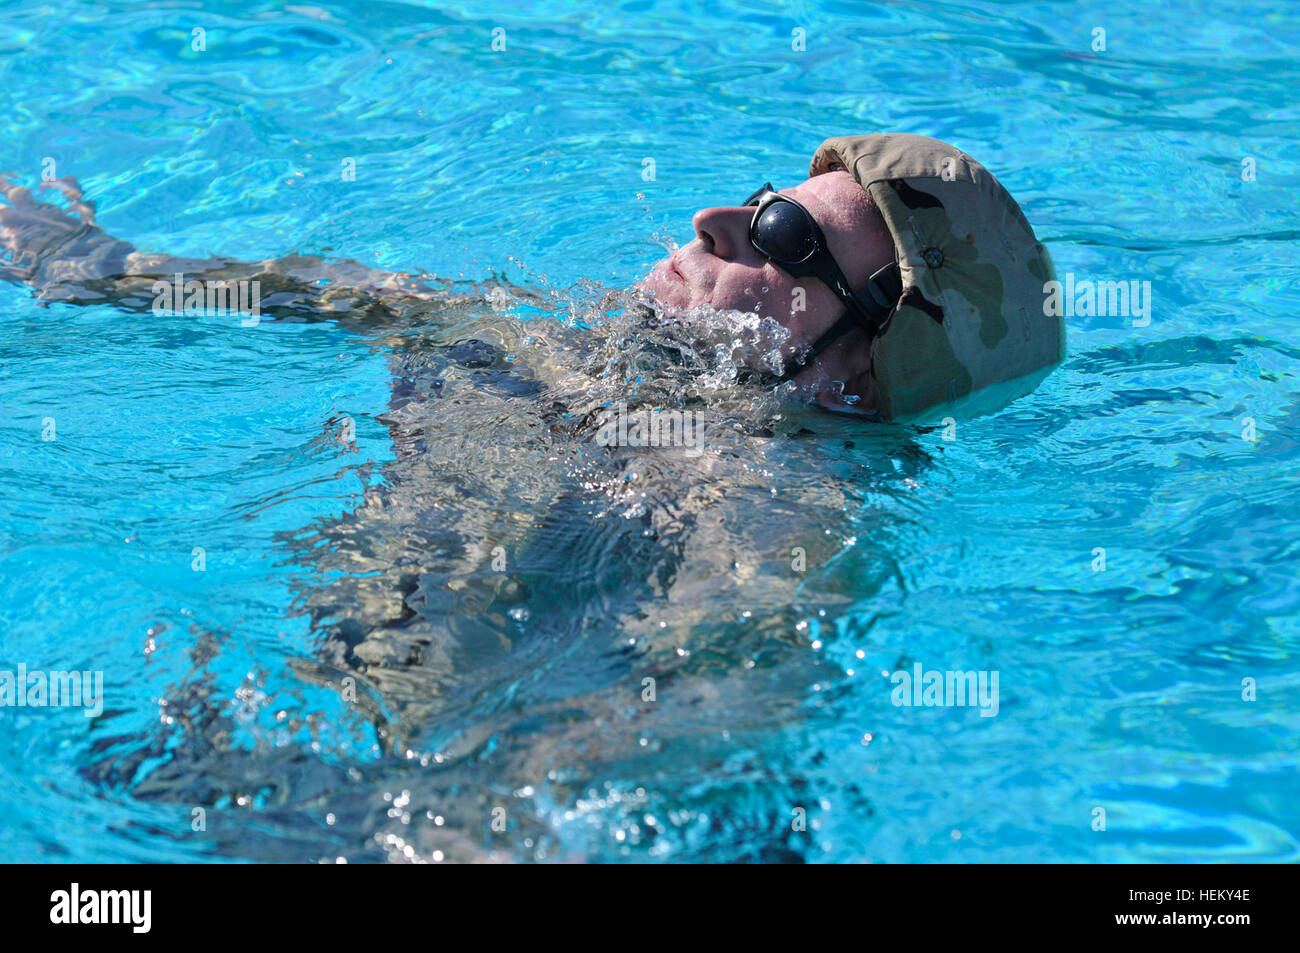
column 57, row 250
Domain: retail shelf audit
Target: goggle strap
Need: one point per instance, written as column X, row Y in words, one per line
column 875, row 303
column 885, row 287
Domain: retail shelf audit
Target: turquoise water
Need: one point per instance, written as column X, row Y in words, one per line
column 1121, row 689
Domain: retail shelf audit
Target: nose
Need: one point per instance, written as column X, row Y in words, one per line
column 724, row 231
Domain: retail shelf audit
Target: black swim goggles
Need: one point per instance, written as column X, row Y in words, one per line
column 787, row 235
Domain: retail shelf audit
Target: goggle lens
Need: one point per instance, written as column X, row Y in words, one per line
column 784, row 233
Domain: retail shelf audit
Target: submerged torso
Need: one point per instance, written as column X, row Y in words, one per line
column 505, row 519
column 519, row 607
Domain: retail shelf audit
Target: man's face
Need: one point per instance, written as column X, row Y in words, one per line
column 722, row 269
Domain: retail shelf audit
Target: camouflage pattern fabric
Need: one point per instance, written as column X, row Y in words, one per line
column 969, row 333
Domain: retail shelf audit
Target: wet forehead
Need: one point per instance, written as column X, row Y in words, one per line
column 835, row 200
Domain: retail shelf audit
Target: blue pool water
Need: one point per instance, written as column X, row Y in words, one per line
column 1120, row 689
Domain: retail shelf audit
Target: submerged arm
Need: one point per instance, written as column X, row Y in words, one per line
column 66, row 257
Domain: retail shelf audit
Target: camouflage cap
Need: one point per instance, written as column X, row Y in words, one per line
column 969, row 332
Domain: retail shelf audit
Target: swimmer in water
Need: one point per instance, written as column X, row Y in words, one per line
column 905, row 280
column 899, row 281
